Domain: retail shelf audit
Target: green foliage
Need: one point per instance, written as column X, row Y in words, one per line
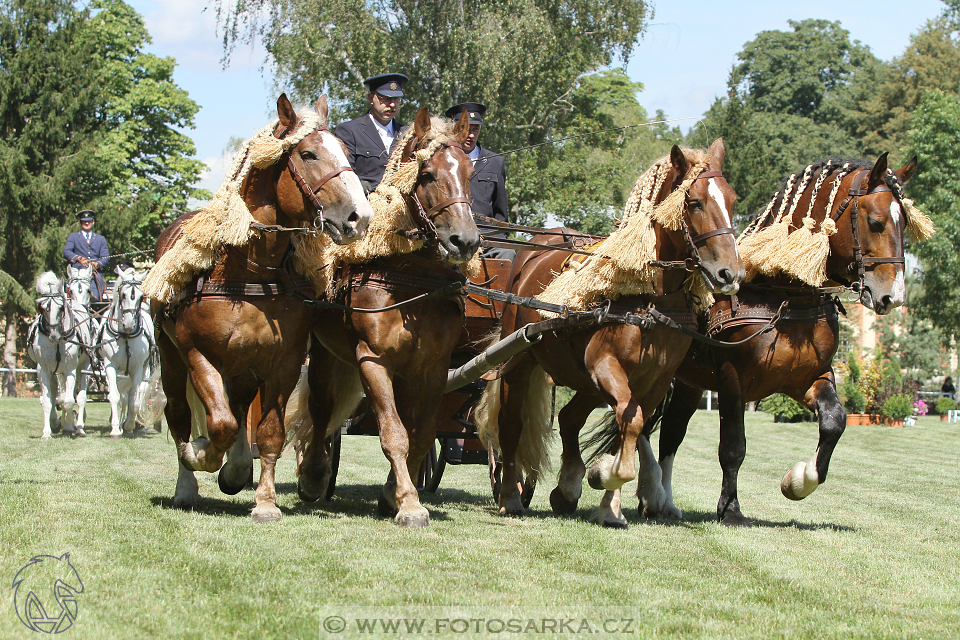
column 945, row 404
column 898, row 406
column 786, row 106
column 912, row 340
column 534, row 63
column 784, row 406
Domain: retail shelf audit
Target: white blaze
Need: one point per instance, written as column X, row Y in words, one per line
column 895, row 213
column 717, row 194
column 350, row 179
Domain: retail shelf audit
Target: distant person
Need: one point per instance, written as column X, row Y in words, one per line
column 488, row 185
column 85, row 248
column 948, row 387
column 370, row 138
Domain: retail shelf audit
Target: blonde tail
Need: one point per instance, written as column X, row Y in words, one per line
column 537, row 417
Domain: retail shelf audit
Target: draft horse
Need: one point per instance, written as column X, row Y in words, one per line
column 238, row 327
column 627, row 366
column 796, row 357
column 402, row 354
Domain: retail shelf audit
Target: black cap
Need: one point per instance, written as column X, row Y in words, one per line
column 475, row 109
column 123, row 264
column 85, row 215
column 387, row 84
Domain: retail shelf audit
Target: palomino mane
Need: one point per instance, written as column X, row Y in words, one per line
column 226, row 219
column 770, row 247
column 319, row 258
column 620, row 265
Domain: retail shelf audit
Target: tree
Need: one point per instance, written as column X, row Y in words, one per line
column 936, row 188
column 524, row 59
column 86, row 121
column 787, row 106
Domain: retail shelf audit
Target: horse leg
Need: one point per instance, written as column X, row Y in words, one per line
column 612, row 472
column 564, row 498
column 113, row 395
column 173, row 377
column 205, row 454
column 733, row 445
column 418, row 403
column 237, row 471
column 610, row 514
column 46, row 400
column 513, row 391
column 804, row 477
column 68, row 400
column 270, row 437
column 394, row 441
column 673, row 428
column 82, row 383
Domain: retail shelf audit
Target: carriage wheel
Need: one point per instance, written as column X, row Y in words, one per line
column 334, row 465
column 439, row 464
column 425, row 475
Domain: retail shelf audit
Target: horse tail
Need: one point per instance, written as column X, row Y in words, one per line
column 537, row 418
column 198, row 415
column 486, row 415
column 346, row 388
column 601, row 438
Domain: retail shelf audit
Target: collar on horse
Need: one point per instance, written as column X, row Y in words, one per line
column 860, row 262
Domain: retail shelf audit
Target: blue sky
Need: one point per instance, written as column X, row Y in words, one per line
column 683, row 59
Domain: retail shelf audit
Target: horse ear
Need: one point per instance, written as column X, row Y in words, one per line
column 462, row 129
column 906, row 171
column 421, row 125
column 288, row 117
column 876, row 174
column 679, row 162
column 321, row 107
column 715, row 154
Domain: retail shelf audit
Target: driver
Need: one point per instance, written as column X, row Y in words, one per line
column 85, row 248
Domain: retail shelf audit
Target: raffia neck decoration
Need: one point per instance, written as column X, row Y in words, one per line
column 391, row 213
column 620, row 265
column 226, row 219
column 919, row 225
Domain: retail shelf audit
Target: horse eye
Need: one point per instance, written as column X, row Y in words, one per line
column 428, row 176
column 694, row 204
column 308, row 155
column 875, row 225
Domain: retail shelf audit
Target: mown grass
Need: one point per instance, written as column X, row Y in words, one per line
column 873, row 553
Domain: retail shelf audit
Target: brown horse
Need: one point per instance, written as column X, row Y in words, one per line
column 237, row 327
column 796, row 358
column 402, row 354
column 627, row 366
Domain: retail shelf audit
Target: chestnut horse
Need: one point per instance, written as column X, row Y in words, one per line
column 237, row 327
column 628, row 366
column 796, row 358
column 402, row 354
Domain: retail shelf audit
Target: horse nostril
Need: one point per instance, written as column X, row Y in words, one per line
column 727, row 276
column 354, row 217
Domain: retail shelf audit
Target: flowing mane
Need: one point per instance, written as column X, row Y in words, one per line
column 319, row 259
column 47, row 283
column 770, row 247
column 621, row 265
column 226, row 219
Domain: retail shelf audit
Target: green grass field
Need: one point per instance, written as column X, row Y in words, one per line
column 873, row 553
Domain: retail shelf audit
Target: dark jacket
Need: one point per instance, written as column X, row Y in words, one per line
column 367, row 155
column 488, row 186
column 96, row 250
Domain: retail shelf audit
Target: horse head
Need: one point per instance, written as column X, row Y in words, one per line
column 79, row 285
column 876, row 225
column 707, row 235
column 51, row 304
column 127, row 302
column 441, row 195
column 315, row 182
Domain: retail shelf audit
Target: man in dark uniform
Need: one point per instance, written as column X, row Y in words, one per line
column 85, row 248
column 370, row 137
column 488, row 186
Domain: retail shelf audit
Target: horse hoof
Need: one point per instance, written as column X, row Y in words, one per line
column 115, row 437
column 81, row 433
column 265, row 515
column 594, row 479
column 614, row 524
column 385, row 509
column 735, row 520
column 413, row 520
column 46, row 436
column 226, row 487
column 186, row 504
column 561, row 505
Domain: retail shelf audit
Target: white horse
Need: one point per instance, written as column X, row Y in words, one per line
column 79, row 287
column 57, row 342
column 125, row 337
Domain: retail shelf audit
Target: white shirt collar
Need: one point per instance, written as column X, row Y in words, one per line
column 386, row 132
column 475, row 154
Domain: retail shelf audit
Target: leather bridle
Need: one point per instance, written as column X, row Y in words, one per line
column 860, row 262
column 426, row 227
column 311, row 192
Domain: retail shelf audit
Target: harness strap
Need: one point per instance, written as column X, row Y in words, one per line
column 703, row 237
column 446, row 203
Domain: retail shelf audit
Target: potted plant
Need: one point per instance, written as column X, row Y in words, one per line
column 784, row 408
column 896, row 408
column 943, row 405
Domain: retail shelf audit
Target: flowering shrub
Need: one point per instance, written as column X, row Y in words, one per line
column 920, row 408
